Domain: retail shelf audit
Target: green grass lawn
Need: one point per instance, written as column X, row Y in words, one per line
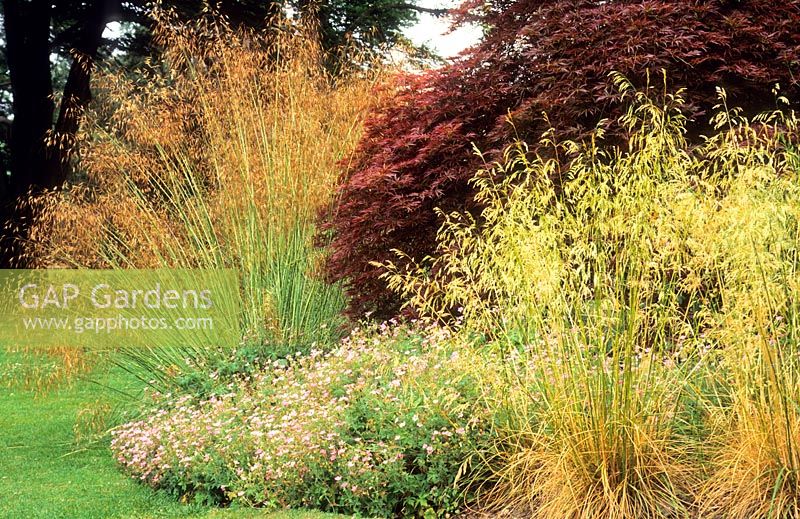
column 44, row 473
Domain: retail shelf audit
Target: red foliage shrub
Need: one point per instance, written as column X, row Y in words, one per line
column 540, row 56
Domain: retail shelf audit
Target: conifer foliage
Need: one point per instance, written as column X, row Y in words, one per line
column 540, row 56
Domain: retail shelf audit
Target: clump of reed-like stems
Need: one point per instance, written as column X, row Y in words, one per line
column 625, row 290
column 219, row 156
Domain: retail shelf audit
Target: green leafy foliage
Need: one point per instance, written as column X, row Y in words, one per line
column 381, row 426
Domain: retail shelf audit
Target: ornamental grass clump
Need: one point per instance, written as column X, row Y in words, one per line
column 593, row 427
column 756, row 465
column 626, row 290
column 220, row 155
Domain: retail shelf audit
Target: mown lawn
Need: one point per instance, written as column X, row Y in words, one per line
column 44, row 473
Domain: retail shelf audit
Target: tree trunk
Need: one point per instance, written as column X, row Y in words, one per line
column 77, row 92
column 27, row 28
column 27, row 31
